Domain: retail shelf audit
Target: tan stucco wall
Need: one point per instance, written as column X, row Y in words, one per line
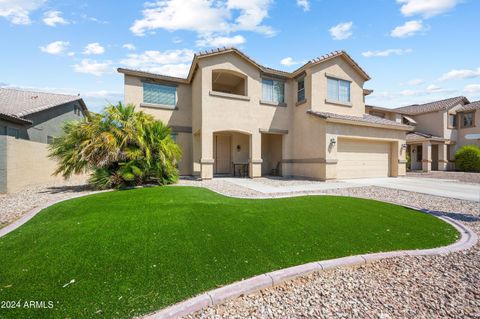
column 24, row 163
column 339, row 68
column 469, row 130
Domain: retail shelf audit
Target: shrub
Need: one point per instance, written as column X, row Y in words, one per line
column 467, row 158
column 120, row 147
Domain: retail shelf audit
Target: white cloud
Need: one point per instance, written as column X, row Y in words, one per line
column 52, row 18
column 426, row 8
column 129, row 46
column 170, row 62
column 93, row 67
column 204, row 16
column 415, row 82
column 288, row 61
column 460, row 74
column 341, row 31
column 221, row 41
column 57, row 47
column 472, row 88
column 304, row 4
column 93, row 48
column 385, row 53
column 408, row 29
column 18, row 11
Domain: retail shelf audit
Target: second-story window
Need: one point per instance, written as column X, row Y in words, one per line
column 467, row 119
column 338, row 90
column 301, row 89
column 452, row 120
column 273, row 91
column 159, row 94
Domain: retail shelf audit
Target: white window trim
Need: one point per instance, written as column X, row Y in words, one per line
column 338, row 102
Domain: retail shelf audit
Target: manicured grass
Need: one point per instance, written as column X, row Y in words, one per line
column 136, row 251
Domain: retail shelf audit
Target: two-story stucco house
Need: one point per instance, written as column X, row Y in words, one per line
column 231, row 115
column 440, row 129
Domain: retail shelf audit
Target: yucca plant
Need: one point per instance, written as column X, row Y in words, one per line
column 118, row 147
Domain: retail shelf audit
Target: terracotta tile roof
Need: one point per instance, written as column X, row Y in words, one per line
column 469, row 107
column 366, row 118
column 432, row 106
column 418, row 136
column 262, row 68
column 18, row 103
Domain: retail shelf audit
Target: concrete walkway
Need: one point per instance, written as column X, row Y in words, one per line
column 437, row 187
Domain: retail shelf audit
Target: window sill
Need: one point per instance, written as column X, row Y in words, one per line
column 349, row 104
column 301, row 102
column 230, row 96
column 273, row 103
column 158, row 106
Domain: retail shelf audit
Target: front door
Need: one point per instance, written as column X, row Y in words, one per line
column 222, row 151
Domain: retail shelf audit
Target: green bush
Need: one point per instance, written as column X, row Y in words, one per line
column 467, row 158
column 119, row 147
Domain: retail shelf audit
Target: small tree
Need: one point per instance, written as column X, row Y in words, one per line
column 467, row 158
column 119, row 147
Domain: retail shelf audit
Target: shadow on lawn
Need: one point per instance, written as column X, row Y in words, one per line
column 467, row 218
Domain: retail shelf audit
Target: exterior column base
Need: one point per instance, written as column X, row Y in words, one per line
column 206, row 168
column 426, row 166
column 255, row 168
column 442, row 165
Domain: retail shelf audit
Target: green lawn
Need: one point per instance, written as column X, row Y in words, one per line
column 136, row 251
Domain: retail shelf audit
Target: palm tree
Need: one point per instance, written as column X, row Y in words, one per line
column 120, row 147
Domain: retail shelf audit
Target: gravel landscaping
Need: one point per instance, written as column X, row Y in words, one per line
column 409, row 287
column 15, row 205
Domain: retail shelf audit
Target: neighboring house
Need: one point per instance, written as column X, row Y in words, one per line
column 28, row 122
column 440, row 129
column 231, row 115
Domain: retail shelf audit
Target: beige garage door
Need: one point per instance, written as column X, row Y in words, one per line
column 359, row 159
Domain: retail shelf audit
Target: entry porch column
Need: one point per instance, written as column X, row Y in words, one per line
column 255, row 161
column 206, row 160
column 427, row 156
column 442, row 157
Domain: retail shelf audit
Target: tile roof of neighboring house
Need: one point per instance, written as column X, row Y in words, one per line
column 15, row 104
column 419, row 136
column 380, row 108
column 469, row 107
column 262, row 68
column 366, row 118
column 432, row 106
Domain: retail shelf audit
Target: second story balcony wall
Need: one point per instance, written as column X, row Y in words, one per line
column 230, row 82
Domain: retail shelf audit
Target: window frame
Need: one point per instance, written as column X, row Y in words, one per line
column 265, row 100
column 455, row 121
column 156, row 104
column 337, row 100
column 472, row 113
column 301, row 80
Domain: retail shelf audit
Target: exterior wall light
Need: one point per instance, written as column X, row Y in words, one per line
column 333, row 141
column 404, row 146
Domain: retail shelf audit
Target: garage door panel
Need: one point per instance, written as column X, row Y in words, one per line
column 361, row 159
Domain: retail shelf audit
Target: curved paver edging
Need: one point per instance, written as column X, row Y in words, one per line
column 271, row 279
column 220, row 295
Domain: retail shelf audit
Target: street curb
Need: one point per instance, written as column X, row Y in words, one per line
column 271, row 279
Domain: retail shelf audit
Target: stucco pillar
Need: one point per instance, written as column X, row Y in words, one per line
column 398, row 162
column 206, row 160
column 442, row 157
column 426, row 156
column 329, row 167
column 255, row 161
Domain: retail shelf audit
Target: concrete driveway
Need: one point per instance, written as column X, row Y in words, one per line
column 431, row 186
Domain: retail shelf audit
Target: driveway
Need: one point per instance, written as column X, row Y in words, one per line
column 430, row 186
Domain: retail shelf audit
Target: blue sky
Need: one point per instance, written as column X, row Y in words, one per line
column 414, row 50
